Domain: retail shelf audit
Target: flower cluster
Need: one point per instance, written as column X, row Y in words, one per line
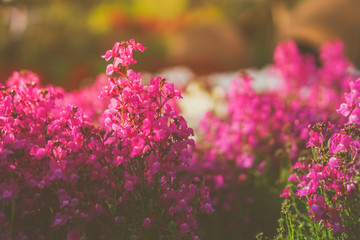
column 62, row 176
column 321, row 87
column 329, row 180
column 263, row 133
column 123, row 56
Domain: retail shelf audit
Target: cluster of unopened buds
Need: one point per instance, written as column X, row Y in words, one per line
column 64, row 176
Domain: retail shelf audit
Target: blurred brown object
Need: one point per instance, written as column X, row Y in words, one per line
column 209, row 46
column 312, row 22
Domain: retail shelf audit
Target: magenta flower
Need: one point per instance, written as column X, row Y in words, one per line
column 315, row 140
column 286, row 193
column 207, row 208
column 112, row 53
column 137, row 46
column 338, row 228
column 293, row 178
column 184, row 228
column 334, row 162
column 246, row 160
column 9, row 190
column 147, row 223
column 317, row 206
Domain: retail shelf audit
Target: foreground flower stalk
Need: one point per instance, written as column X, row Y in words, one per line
column 324, row 188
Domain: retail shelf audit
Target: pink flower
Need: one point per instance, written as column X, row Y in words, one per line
column 246, row 160
column 334, row 162
column 155, row 168
column 59, row 219
column 286, row 193
column 147, row 223
column 110, row 69
column 207, row 208
column 184, row 228
column 315, row 140
column 112, row 53
column 129, row 186
column 9, row 190
column 344, row 109
column 219, row 181
column 137, row 46
column 317, row 206
column 338, row 228
column 138, row 145
column 293, row 178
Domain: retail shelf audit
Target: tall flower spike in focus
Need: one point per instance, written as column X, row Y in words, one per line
column 155, row 145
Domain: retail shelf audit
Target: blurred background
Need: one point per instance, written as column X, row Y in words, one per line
column 62, row 40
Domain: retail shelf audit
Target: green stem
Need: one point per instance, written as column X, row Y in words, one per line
column 115, row 198
column 327, row 234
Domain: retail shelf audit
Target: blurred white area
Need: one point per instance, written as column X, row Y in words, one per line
column 264, row 79
column 207, row 93
column 197, row 101
column 179, row 75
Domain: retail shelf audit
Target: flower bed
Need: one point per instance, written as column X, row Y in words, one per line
column 126, row 166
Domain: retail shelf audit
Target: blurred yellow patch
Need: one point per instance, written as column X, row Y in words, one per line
column 163, row 9
column 100, row 18
column 205, row 14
